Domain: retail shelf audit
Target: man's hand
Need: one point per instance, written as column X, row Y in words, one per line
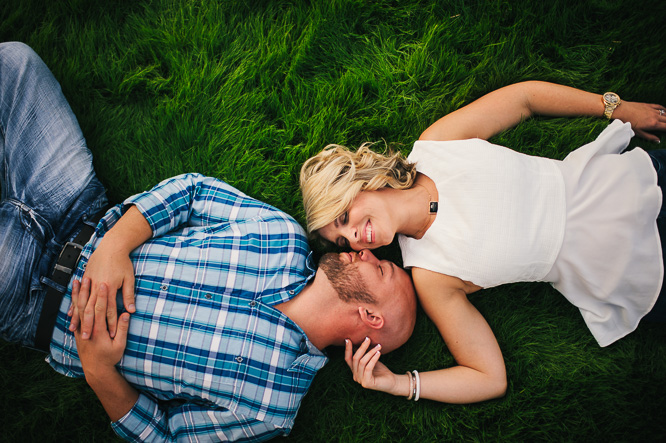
column 110, row 264
column 100, row 352
column 112, row 268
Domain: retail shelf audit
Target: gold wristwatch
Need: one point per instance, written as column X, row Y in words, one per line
column 611, row 101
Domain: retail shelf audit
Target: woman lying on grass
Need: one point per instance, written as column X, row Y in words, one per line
column 474, row 215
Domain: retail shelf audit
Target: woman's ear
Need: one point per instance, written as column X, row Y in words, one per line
column 371, row 318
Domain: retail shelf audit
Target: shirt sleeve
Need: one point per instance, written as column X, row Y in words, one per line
column 148, row 422
column 190, row 200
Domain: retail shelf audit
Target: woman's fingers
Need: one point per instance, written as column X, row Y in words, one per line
column 368, row 372
column 349, row 352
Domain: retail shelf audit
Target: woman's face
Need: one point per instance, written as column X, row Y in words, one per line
column 366, row 225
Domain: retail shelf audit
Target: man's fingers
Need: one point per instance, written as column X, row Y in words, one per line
column 100, row 308
column 73, row 309
column 111, row 311
column 86, row 306
column 123, row 327
column 128, row 295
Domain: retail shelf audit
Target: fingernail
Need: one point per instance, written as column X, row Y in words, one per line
column 346, row 341
column 367, row 339
column 131, row 307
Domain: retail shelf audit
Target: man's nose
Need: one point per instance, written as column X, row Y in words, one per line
column 366, row 255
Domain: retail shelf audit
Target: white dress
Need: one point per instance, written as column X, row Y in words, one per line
column 585, row 224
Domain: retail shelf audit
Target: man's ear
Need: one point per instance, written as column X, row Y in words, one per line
column 371, row 318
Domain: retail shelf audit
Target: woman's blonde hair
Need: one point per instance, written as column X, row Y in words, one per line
column 331, row 180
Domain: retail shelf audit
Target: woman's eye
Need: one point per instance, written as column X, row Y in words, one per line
column 381, row 270
column 345, row 218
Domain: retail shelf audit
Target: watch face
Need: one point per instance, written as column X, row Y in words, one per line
column 611, row 98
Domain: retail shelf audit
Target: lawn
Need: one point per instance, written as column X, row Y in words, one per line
column 248, row 90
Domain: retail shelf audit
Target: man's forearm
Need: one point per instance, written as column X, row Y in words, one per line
column 130, row 232
column 113, row 391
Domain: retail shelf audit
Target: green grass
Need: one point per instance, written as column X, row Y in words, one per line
column 247, row 90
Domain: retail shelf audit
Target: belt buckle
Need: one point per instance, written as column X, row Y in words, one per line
column 65, row 269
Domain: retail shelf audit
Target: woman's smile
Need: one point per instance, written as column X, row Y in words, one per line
column 369, row 234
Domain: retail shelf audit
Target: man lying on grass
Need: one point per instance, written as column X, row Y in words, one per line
column 218, row 331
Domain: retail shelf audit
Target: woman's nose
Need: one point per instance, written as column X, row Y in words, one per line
column 351, row 235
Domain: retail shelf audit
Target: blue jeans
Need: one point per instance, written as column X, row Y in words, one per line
column 658, row 312
column 48, row 186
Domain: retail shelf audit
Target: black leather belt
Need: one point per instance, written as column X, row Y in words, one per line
column 61, row 274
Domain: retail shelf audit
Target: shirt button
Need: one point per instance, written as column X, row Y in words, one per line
column 208, row 296
column 239, row 359
column 291, row 292
column 84, row 265
column 164, row 287
column 253, row 303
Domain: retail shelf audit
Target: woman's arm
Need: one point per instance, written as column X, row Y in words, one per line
column 506, row 107
column 480, row 374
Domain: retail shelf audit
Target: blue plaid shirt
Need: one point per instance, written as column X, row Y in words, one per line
column 211, row 357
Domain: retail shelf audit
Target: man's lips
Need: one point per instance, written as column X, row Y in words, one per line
column 349, row 255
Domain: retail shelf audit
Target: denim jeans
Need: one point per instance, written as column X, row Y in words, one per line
column 48, row 186
column 658, row 312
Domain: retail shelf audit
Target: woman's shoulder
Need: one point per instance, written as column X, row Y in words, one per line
column 432, row 148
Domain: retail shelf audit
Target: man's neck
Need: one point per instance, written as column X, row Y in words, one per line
column 310, row 310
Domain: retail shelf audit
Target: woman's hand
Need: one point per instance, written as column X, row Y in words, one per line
column 643, row 117
column 368, row 371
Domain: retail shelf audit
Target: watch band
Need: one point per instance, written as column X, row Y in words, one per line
column 611, row 101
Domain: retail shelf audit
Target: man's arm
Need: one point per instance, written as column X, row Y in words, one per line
column 184, row 200
column 506, row 107
column 100, row 353
column 136, row 416
column 110, row 265
column 188, row 200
